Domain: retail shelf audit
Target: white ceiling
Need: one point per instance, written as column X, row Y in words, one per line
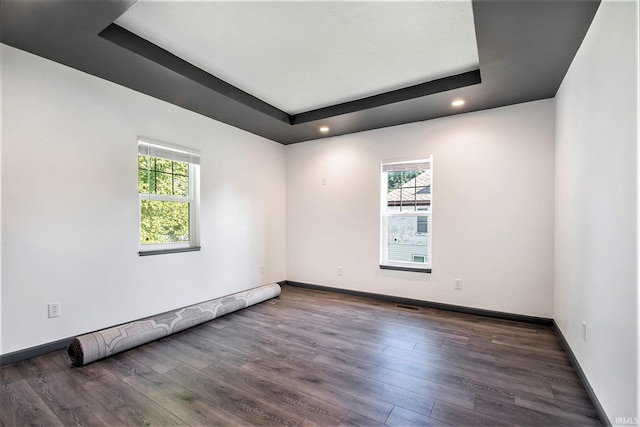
column 303, row 55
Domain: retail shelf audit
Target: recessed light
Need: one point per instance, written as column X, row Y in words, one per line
column 324, row 129
column 458, row 103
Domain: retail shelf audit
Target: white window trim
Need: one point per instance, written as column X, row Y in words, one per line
column 395, row 165
column 185, row 155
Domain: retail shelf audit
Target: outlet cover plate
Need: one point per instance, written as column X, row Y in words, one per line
column 54, row 310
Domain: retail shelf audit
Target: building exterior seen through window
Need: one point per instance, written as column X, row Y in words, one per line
column 406, row 214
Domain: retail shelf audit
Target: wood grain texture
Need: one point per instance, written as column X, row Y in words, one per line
column 187, row 405
column 243, row 404
column 128, row 404
column 401, row 417
column 71, row 404
column 21, row 405
column 296, row 401
column 10, row 374
column 313, row 358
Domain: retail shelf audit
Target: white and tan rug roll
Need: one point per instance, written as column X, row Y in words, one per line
column 106, row 342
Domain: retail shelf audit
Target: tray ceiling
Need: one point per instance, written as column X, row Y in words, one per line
column 301, row 56
column 282, row 70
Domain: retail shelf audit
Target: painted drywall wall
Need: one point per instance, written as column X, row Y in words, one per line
column 492, row 209
column 70, row 205
column 596, row 208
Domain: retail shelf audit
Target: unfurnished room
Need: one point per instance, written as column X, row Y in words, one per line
column 319, row 213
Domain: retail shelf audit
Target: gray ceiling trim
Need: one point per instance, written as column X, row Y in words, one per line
column 525, row 48
column 131, row 41
column 128, row 40
column 423, row 89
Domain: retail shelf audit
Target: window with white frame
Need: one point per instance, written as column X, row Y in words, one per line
column 406, row 215
column 168, row 189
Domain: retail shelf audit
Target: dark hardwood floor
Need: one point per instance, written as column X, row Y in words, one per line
column 313, row 358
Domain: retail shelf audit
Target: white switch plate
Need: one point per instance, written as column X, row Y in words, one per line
column 458, row 284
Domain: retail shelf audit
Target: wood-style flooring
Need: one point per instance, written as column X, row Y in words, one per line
column 312, row 358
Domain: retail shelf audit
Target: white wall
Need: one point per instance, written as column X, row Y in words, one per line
column 492, row 209
column 596, row 212
column 70, row 205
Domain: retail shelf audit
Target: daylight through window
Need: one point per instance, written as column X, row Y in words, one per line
column 406, row 215
column 169, row 195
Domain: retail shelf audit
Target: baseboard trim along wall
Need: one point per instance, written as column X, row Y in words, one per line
column 28, row 353
column 581, row 375
column 429, row 304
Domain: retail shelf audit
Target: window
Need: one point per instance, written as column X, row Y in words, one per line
column 406, row 215
column 419, row 258
column 422, row 224
column 168, row 190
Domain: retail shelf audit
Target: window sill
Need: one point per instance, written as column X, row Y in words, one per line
column 414, row 269
column 169, row 251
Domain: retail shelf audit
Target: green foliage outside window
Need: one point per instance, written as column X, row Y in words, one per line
column 163, row 221
column 398, row 179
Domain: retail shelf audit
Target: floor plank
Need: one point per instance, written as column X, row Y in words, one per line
column 458, row 416
column 187, row 405
column 296, row 401
column 564, row 409
column 59, row 391
column 353, row 419
column 421, row 378
column 129, row 405
column 153, row 357
column 234, row 400
column 9, row 374
column 79, row 374
column 20, row 405
column 517, row 414
column 179, row 349
column 401, row 417
column 367, row 405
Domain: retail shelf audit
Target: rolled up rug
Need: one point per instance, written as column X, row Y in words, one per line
column 90, row 347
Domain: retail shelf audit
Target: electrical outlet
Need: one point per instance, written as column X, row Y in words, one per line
column 584, row 330
column 339, row 270
column 54, row 309
column 262, row 269
column 458, row 285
